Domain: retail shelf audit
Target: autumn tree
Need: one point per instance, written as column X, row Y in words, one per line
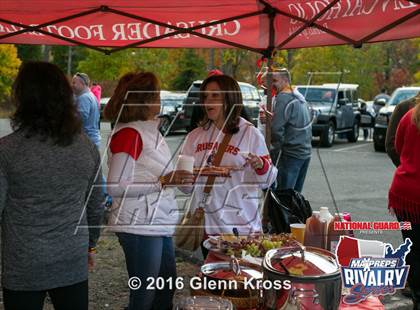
column 29, row 52
column 9, row 66
column 102, row 67
column 190, row 67
column 359, row 65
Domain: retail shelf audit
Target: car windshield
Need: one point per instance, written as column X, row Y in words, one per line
column 172, row 99
column 401, row 95
column 318, row 95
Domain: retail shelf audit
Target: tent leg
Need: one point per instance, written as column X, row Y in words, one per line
column 269, row 55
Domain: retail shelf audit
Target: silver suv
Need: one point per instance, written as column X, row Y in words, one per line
column 335, row 110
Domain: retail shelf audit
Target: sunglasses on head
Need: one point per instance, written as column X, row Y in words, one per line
column 82, row 77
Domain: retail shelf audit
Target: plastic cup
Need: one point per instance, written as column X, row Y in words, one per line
column 185, row 163
column 244, row 154
column 298, row 231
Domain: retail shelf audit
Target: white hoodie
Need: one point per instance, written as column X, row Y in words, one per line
column 234, row 202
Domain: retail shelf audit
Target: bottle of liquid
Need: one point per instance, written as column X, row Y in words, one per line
column 325, row 214
column 314, row 231
column 326, row 218
column 334, row 235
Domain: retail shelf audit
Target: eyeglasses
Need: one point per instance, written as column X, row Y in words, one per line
column 83, row 77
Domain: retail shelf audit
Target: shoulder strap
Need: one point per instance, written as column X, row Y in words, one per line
column 217, row 159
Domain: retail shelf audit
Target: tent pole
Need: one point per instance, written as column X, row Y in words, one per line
column 69, row 60
column 269, row 56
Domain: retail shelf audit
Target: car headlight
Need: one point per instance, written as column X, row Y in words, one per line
column 382, row 119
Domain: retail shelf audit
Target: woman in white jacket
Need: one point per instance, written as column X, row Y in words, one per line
column 144, row 211
column 233, row 202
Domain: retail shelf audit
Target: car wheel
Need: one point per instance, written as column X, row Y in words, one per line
column 353, row 135
column 378, row 147
column 328, row 136
column 164, row 125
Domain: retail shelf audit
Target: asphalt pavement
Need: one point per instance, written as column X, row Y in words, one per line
column 359, row 179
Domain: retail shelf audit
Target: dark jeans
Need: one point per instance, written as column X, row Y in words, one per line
column 63, row 298
column 413, row 260
column 291, row 172
column 154, row 257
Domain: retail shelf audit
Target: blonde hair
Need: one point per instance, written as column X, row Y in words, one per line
column 416, row 112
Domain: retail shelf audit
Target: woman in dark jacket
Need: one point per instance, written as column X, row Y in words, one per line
column 48, row 195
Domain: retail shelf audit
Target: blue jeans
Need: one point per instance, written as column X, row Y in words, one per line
column 149, row 256
column 292, row 172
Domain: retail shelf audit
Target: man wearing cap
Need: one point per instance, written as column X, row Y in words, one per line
column 88, row 107
column 291, row 133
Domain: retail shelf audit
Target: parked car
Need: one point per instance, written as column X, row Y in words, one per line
column 382, row 119
column 367, row 113
column 171, row 105
column 251, row 100
column 334, row 109
column 103, row 103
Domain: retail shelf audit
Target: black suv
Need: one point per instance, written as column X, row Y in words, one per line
column 382, row 119
column 335, row 110
column 184, row 114
column 171, row 106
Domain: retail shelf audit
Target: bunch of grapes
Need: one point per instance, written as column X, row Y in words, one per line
column 269, row 245
column 253, row 250
column 257, row 246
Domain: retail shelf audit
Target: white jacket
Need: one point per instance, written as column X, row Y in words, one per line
column 234, row 202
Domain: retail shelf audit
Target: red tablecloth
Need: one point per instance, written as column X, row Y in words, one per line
column 371, row 303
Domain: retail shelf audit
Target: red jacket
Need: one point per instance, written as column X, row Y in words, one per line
column 404, row 194
column 97, row 91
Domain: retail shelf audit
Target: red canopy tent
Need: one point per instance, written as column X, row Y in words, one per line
column 257, row 25
column 262, row 26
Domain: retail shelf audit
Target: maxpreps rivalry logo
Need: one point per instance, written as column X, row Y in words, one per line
column 371, row 267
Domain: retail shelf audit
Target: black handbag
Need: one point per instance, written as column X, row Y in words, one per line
column 286, row 207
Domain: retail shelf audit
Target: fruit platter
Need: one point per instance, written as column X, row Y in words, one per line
column 250, row 249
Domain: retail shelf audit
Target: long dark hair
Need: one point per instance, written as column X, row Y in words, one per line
column 232, row 96
column 44, row 104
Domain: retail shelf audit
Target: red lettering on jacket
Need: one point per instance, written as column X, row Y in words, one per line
column 199, row 148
